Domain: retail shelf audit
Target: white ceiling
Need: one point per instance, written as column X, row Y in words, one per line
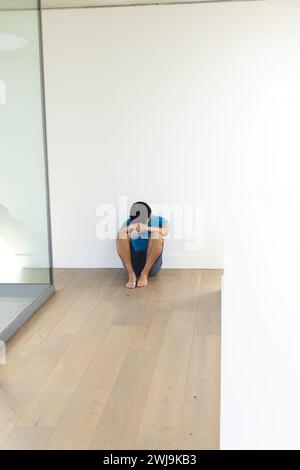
column 96, row 3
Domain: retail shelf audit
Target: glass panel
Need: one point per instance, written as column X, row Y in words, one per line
column 24, row 239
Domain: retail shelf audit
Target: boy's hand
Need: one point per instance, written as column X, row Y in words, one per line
column 142, row 228
column 133, row 230
column 132, row 227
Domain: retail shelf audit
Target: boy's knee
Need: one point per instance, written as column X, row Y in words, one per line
column 156, row 236
column 122, row 236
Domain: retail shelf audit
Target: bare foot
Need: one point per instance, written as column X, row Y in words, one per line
column 143, row 280
column 131, row 284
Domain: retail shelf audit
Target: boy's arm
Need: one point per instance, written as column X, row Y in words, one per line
column 126, row 229
column 164, row 230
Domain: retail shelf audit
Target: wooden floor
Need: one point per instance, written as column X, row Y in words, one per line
column 103, row 367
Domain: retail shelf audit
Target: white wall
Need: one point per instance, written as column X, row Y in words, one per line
column 136, row 103
column 261, row 304
column 214, row 88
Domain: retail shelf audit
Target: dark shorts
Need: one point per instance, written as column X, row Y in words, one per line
column 138, row 259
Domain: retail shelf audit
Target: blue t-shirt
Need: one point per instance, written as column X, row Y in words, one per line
column 140, row 243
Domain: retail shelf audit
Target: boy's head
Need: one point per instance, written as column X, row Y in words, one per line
column 140, row 212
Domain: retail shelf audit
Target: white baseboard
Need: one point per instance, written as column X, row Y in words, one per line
column 169, row 261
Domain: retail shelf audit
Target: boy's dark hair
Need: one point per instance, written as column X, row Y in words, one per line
column 140, row 210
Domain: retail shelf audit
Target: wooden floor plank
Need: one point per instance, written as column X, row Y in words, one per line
column 29, row 367
column 160, row 425
column 119, row 423
column 82, row 416
column 200, row 418
column 100, row 366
